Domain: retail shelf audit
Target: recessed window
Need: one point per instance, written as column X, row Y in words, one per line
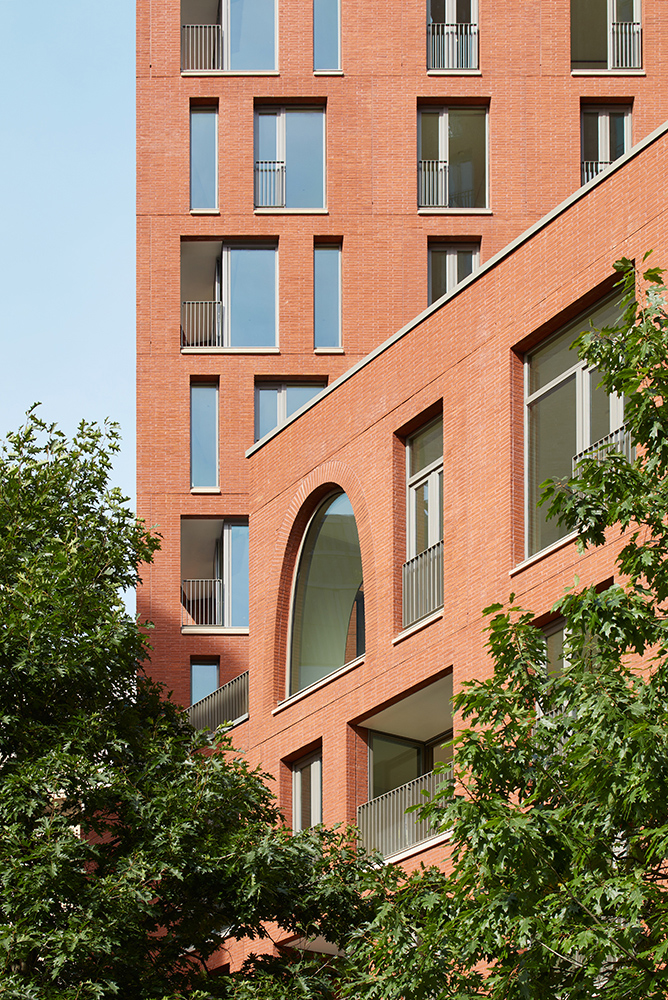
column 452, row 34
column 605, row 136
column 203, row 679
column 326, row 35
column 228, row 295
column 307, row 792
column 236, row 35
column 203, row 435
column 203, row 158
column 328, row 606
column 290, row 158
column 452, row 158
column 326, row 296
column 606, row 35
column 214, row 573
column 567, row 412
column 275, row 402
column 423, row 570
column 450, row 263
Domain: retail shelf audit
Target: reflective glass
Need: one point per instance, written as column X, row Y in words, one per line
column 266, row 410
column 437, row 11
column 203, row 158
column 394, row 763
column 467, row 158
column 266, row 136
column 252, row 44
column 239, row 575
column 589, row 34
column 297, row 395
column 429, row 130
column 326, row 34
column 556, row 355
column 439, row 274
column 421, row 500
column 305, row 818
column 304, row 159
column 203, row 436
column 624, row 10
column 599, row 409
column 252, row 297
column 590, row 136
column 552, row 445
column 617, row 120
column 555, row 651
column 464, row 264
column 327, row 297
column 426, row 446
column 203, row 680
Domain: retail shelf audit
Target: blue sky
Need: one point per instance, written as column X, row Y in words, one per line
column 67, row 282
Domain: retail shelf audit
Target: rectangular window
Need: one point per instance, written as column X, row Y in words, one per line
column 452, row 158
column 214, row 570
column 275, row 402
column 203, row 436
column 605, row 136
column 606, row 35
column 326, row 35
column 566, row 413
column 203, row 159
column 394, row 762
column 228, row 295
column 203, row 679
column 290, row 158
column 450, row 263
column 307, row 792
column 236, row 35
column 452, row 34
column 423, row 569
column 326, row 297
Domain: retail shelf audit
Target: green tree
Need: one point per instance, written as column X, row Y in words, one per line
column 559, row 811
column 131, row 847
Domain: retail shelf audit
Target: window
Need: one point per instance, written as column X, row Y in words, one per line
column 452, row 34
column 605, row 136
column 423, row 569
column 203, row 436
column 228, row 295
column 290, row 158
column 214, row 570
column 605, row 35
column 566, row 413
column 394, row 762
column 276, row 401
column 203, row 159
column 326, row 35
column 452, row 158
column 328, row 605
column 236, row 35
column 307, row 792
column 326, row 297
column 203, row 679
column 448, row 265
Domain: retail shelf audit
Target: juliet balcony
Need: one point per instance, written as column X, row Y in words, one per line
column 386, row 826
column 422, row 584
column 201, row 48
column 452, row 46
column 616, row 441
column 592, row 168
column 269, row 184
column 227, row 705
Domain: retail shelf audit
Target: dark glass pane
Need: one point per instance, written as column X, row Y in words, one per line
column 426, row 447
column 589, row 34
column 437, row 11
column 464, row 264
column 590, row 136
column 204, row 436
column 623, row 10
column 203, row 165
column 467, row 158
column 421, row 514
column 599, row 409
column 439, row 274
column 464, row 11
column 306, row 814
column 552, row 445
column 617, row 119
column 327, row 297
column 394, row 763
column 326, row 34
column 429, row 146
column 252, row 44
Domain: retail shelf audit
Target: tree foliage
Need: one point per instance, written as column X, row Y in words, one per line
column 559, row 808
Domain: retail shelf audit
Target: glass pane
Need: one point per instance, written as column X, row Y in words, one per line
column 252, row 298
column 467, row 158
column 305, row 817
column 439, row 274
column 440, row 506
column 426, row 446
column 203, row 159
column 552, row 445
column 589, row 34
column 239, row 568
column 429, row 127
column 463, row 11
column 464, row 264
column 394, row 763
column 304, row 159
column 421, row 517
column 437, row 11
column 252, row 44
column 203, row 436
column 624, row 10
column 617, row 119
column 203, row 680
column 327, row 607
column 599, row 409
column 556, row 356
column 327, row 297
column 555, row 651
column 297, row 395
column 266, row 410
column 266, row 137
column 590, row 136
column 326, row 34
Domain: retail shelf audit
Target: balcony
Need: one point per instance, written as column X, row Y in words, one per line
column 201, row 602
column 625, row 45
column 269, row 183
column 229, row 704
column 617, row 441
column 592, row 168
column 201, row 47
column 438, row 189
column 452, row 46
column 422, row 584
column 201, row 324
column 385, row 825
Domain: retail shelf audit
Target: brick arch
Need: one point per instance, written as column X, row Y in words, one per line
column 308, row 497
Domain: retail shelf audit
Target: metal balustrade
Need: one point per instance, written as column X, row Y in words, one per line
column 202, row 602
column 625, row 45
column 617, row 441
column 269, row 184
column 201, row 324
column 432, row 183
column 201, row 47
column 452, row 46
column 228, row 704
column 422, row 584
column 385, row 825
column 592, row 168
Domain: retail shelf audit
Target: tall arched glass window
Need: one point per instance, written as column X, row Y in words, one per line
column 328, row 610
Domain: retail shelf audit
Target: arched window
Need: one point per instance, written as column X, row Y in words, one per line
column 328, row 609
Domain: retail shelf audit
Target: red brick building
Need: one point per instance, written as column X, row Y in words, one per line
column 312, row 176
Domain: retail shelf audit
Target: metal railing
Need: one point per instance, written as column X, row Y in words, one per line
column 269, row 184
column 202, row 602
column 618, row 441
column 625, row 45
column 201, row 324
column 201, row 47
column 452, row 46
column 228, row 704
column 422, row 584
column 592, row 168
column 432, row 183
column 384, row 824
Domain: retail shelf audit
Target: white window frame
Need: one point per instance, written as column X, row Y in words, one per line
column 612, row 19
column 603, row 111
column 222, row 294
column 224, row 24
column 451, row 13
column 280, row 114
column 432, row 474
column 282, row 398
column 313, row 760
column 451, row 250
column 224, row 566
column 444, row 148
